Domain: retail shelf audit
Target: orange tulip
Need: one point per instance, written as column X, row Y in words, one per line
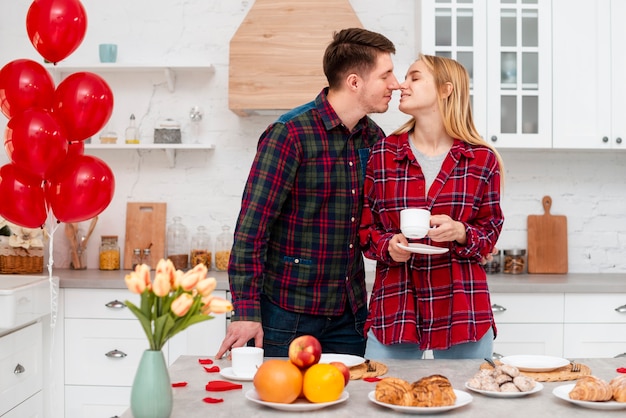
column 216, row 305
column 161, row 285
column 135, row 283
column 180, row 306
column 206, row 286
column 189, row 280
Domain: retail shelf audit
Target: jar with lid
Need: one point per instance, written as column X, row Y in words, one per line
column 178, row 244
column 201, row 248
column 109, row 253
column 495, row 265
column 514, row 261
column 136, row 258
column 223, row 245
column 147, row 257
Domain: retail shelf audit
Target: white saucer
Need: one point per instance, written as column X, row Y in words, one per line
column 535, row 363
column 299, row 405
column 462, row 399
column 423, row 249
column 347, row 359
column 563, row 391
column 227, row 372
column 493, row 394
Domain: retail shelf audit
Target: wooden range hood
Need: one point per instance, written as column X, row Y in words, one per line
column 276, row 54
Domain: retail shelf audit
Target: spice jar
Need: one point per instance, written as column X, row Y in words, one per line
column 495, row 265
column 109, row 253
column 147, row 257
column 223, row 245
column 178, row 244
column 514, row 261
column 136, row 258
column 201, row 248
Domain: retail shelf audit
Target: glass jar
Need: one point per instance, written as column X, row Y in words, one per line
column 147, row 257
column 495, row 265
column 514, row 261
column 78, row 250
column 178, row 244
column 201, row 248
column 223, row 245
column 109, row 253
column 136, row 258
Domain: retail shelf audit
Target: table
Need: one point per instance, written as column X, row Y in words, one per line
column 188, row 400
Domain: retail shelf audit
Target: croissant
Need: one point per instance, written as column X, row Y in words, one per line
column 591, row 388
column 394, row 391
column 618, row 386
column 435, row 390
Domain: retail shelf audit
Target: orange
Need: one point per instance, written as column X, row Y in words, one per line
column 278, row 381
column 323, row 383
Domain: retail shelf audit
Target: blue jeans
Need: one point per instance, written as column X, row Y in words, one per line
column 481, row 349
column 337, row 334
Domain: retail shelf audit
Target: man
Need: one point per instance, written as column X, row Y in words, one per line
column 295, row 266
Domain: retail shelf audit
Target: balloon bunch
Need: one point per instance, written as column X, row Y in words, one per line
column 47, row 126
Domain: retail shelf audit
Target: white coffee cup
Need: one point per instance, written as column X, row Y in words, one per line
column 414, row 222
column 246, row 360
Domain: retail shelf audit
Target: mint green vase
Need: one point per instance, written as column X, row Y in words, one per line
column 151, row 395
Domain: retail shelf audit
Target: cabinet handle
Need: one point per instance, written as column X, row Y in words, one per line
column 497, row 356
column 605, row 139
column 618, row 140
column 116, row 354
column 621, row 309
column 19, row 369
column 116, row 304
column 497, row 308
column 620, row 355
column 494, row 138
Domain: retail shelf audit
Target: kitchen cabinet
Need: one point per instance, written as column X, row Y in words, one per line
column 595, row 325
column 506, row 47
column 589, row 61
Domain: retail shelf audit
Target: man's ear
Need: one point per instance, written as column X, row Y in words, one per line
column 353, row 81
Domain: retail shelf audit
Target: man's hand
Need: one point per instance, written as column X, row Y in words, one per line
column 238, row 334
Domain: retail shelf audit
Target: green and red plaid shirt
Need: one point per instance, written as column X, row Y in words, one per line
column 296, row 239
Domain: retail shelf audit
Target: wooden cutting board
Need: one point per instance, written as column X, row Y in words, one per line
column 145, row 225
column 547, row 241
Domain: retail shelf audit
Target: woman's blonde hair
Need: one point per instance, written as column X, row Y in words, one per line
column 455, row 109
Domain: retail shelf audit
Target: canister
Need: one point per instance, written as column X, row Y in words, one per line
column 514, row 261
column 109, row 253
column 495, row 265
column 223, row 245
column 167, row 132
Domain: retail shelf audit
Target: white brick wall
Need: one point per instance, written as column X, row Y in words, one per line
column 205, row 186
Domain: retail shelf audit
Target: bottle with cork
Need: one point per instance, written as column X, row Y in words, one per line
column 132, row 133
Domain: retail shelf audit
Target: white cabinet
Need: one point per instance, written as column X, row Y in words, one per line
column 506, row 47
column 528, row 323
column 595, row 325
column 589, row 61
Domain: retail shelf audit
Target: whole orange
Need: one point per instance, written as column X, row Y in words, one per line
column 278, row 381
column 323, row 383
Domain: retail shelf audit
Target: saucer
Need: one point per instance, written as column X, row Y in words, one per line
column 423, row 249
column 227, row 372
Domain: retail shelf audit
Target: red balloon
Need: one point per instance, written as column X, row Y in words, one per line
column 80, row 189
column 83, row 104
column 23, row 201
column 56, row 27
column 25, row 84
column 75, row 149
column 34, row 142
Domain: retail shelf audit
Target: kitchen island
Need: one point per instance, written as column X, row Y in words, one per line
column 188, row 400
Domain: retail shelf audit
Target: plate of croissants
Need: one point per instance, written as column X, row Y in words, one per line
column 428, row 395
column 595, row 393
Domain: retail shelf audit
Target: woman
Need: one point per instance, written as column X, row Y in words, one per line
column 437, row 161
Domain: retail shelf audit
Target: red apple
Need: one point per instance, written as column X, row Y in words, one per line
column 305, row 351
column 344, row 369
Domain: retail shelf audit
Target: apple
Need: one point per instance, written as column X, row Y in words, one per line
column 305, row 351
column 343, row 369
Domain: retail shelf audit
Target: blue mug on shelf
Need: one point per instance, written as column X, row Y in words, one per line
column 108, row 52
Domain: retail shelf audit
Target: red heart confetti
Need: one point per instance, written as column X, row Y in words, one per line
column 372, row 379
column 179, row 384
column 221, row 385
column 205, row 361
column 213, row 369
column 621, row 370
column 213, row 400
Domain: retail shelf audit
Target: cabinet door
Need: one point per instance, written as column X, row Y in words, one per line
column 96, row 401
column 618, row 61
column 527, row 308
column 594, row 340
column 540, row 339
column 595, row 308
column 31, row 408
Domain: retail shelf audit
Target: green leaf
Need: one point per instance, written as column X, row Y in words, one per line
column 145, row 322
column 162, row 327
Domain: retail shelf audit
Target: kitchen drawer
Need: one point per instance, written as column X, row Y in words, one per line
column 96, row 401
column 87, row 342
column 524, row 308
column 30, row 408
column 600, row 307
column 99, row 303
column 540, row 339
column 21, row 358
column 594, row 340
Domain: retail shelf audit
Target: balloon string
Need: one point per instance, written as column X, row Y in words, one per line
column 54, row 282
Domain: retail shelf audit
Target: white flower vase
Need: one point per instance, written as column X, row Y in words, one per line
column 151, row 394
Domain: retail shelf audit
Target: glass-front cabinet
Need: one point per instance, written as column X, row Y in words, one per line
column 506, row 47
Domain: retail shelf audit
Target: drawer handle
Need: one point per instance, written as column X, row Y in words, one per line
column 497, row 308
column 116, row 354
column 19, row 369
column 116, row 304
column 620, row 355
column 497, row 356
column 621, row 309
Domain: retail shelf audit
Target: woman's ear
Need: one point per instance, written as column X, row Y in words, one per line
column 446, row 90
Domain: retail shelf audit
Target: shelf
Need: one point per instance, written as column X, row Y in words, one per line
column 169, row 149
column 169, row 71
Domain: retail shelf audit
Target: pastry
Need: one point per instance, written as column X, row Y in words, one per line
column 435, row 390
column 618, row 387
column 504, row 378
column 591, row 388
column 394, row 391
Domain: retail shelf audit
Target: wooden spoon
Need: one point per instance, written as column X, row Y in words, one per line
column 70, row 233
column 92, row 225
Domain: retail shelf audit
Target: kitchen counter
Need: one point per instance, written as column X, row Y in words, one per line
column 498, row 283
column 188, row 400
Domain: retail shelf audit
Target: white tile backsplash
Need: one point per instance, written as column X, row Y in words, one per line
column 204, row 187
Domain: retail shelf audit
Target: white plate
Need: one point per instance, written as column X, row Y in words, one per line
column 462, row 399
column 537, row 388
column 347, row 359
column 423, row 249
column 532, row 363
column 299, row 405
column 563, row 391
column 229, row 374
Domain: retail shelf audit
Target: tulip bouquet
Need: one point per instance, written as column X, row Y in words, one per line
column 173, row 301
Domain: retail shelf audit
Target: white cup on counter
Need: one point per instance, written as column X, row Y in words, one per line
column 246, row 360
column 414, row 222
